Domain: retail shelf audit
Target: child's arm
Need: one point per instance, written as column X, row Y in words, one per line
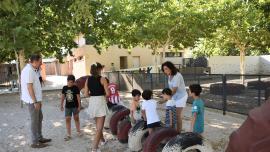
column 62, row 102
column 143, row 115
column 162, row 101
column 79, row 102
column 193, row 119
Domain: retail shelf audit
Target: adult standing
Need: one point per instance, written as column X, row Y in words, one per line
column 32, row 96
column 177, row 85
column 96, row 87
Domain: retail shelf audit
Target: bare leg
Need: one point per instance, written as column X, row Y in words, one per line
column 150, row 130
column 179, row 118
column 99, row 131
column 68, row 125
column 77, row 123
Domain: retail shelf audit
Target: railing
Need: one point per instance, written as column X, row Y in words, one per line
column 224, row 92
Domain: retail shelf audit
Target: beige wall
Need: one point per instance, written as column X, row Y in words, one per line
column 111, row 55
column 231, row 64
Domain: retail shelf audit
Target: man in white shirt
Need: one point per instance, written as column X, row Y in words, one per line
column 32, row 96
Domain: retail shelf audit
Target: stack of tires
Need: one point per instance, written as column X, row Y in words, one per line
column 118, row 122
column 162, row 139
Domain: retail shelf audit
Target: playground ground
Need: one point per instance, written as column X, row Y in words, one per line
column 15, row 132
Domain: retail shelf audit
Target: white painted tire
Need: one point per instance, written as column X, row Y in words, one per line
column 186, row 142
column 110, row 114
column 135, row 136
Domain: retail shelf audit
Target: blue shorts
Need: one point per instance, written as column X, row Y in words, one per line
column 71, row 111
column 154, row 125
column 171, row 110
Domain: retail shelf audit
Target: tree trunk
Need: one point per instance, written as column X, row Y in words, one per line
column 242, row 64
column 156, row 61
column 21, row 59
column 163, row 53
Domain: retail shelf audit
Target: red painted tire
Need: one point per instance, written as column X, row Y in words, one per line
column 154, row 140
column 116, row 118
column 80, row 83
column 123, row 129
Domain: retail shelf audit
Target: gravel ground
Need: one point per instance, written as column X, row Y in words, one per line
column 15, row 132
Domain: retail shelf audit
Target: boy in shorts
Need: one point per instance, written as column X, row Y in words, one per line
column 71, row 96
column 149, row 111
column 197, row 121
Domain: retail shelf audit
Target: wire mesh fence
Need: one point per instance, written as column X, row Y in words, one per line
column 229, row 92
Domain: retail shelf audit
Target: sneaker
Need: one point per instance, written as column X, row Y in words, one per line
column 80, row 134
column 44, row 140
column 39, row 145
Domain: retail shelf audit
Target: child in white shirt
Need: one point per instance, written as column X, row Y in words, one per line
column 149, row 111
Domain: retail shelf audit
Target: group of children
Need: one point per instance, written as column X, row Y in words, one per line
column 146, row 109
column 149, row 112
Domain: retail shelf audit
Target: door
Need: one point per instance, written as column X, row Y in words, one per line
column 123, row 62
column 136, row 62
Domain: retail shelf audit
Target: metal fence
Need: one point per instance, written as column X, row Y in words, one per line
column 225, row 92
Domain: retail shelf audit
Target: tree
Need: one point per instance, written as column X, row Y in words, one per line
column 36, row 27
column 245, row 30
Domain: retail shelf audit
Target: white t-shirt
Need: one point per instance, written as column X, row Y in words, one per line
column 150, row 107
column 170, row 103
column 177, row 81
column 30, row 75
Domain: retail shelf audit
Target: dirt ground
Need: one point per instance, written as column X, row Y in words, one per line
column 15, row 127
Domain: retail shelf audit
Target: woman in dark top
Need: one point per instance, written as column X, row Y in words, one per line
column 96, row 87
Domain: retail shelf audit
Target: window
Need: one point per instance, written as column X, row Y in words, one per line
column 173, row 54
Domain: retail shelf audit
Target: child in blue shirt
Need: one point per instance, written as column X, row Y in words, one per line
column 197, row 121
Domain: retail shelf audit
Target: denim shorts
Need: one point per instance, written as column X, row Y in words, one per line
column 71, row 111
column 154, row 125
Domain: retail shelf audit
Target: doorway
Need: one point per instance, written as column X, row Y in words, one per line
column 123, row 62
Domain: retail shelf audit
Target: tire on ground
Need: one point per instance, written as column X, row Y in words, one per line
column 110, row 114
column 231, row 88
column 123, row 129
column 155, row 139
column 116, row 118
column 181, row 142
column 137, row 132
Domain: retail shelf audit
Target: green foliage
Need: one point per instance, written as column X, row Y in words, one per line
column 37, row 27
column 245, row 27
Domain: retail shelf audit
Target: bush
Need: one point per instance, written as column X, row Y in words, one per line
column 231, row 89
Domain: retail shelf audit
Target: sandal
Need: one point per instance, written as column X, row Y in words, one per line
column 67, row 138
column 80, row 134
column 102, row 143
column 96, row 150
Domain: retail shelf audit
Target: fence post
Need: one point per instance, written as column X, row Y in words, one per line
column 151, row 80
column 119, row 80
column 259, row 90
column 132, row 79
column 224, row 96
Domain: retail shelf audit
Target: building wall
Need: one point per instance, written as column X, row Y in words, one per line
column 231, row 64
column 111, row 55
column 265, row 64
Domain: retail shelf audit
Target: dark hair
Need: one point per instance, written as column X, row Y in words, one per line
column 171, row 66
column 167, row 91
column 196, row 89
column 35, row 57
column 136, row 92
column 95, row 68
column 147, row 94
column 71, row 78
